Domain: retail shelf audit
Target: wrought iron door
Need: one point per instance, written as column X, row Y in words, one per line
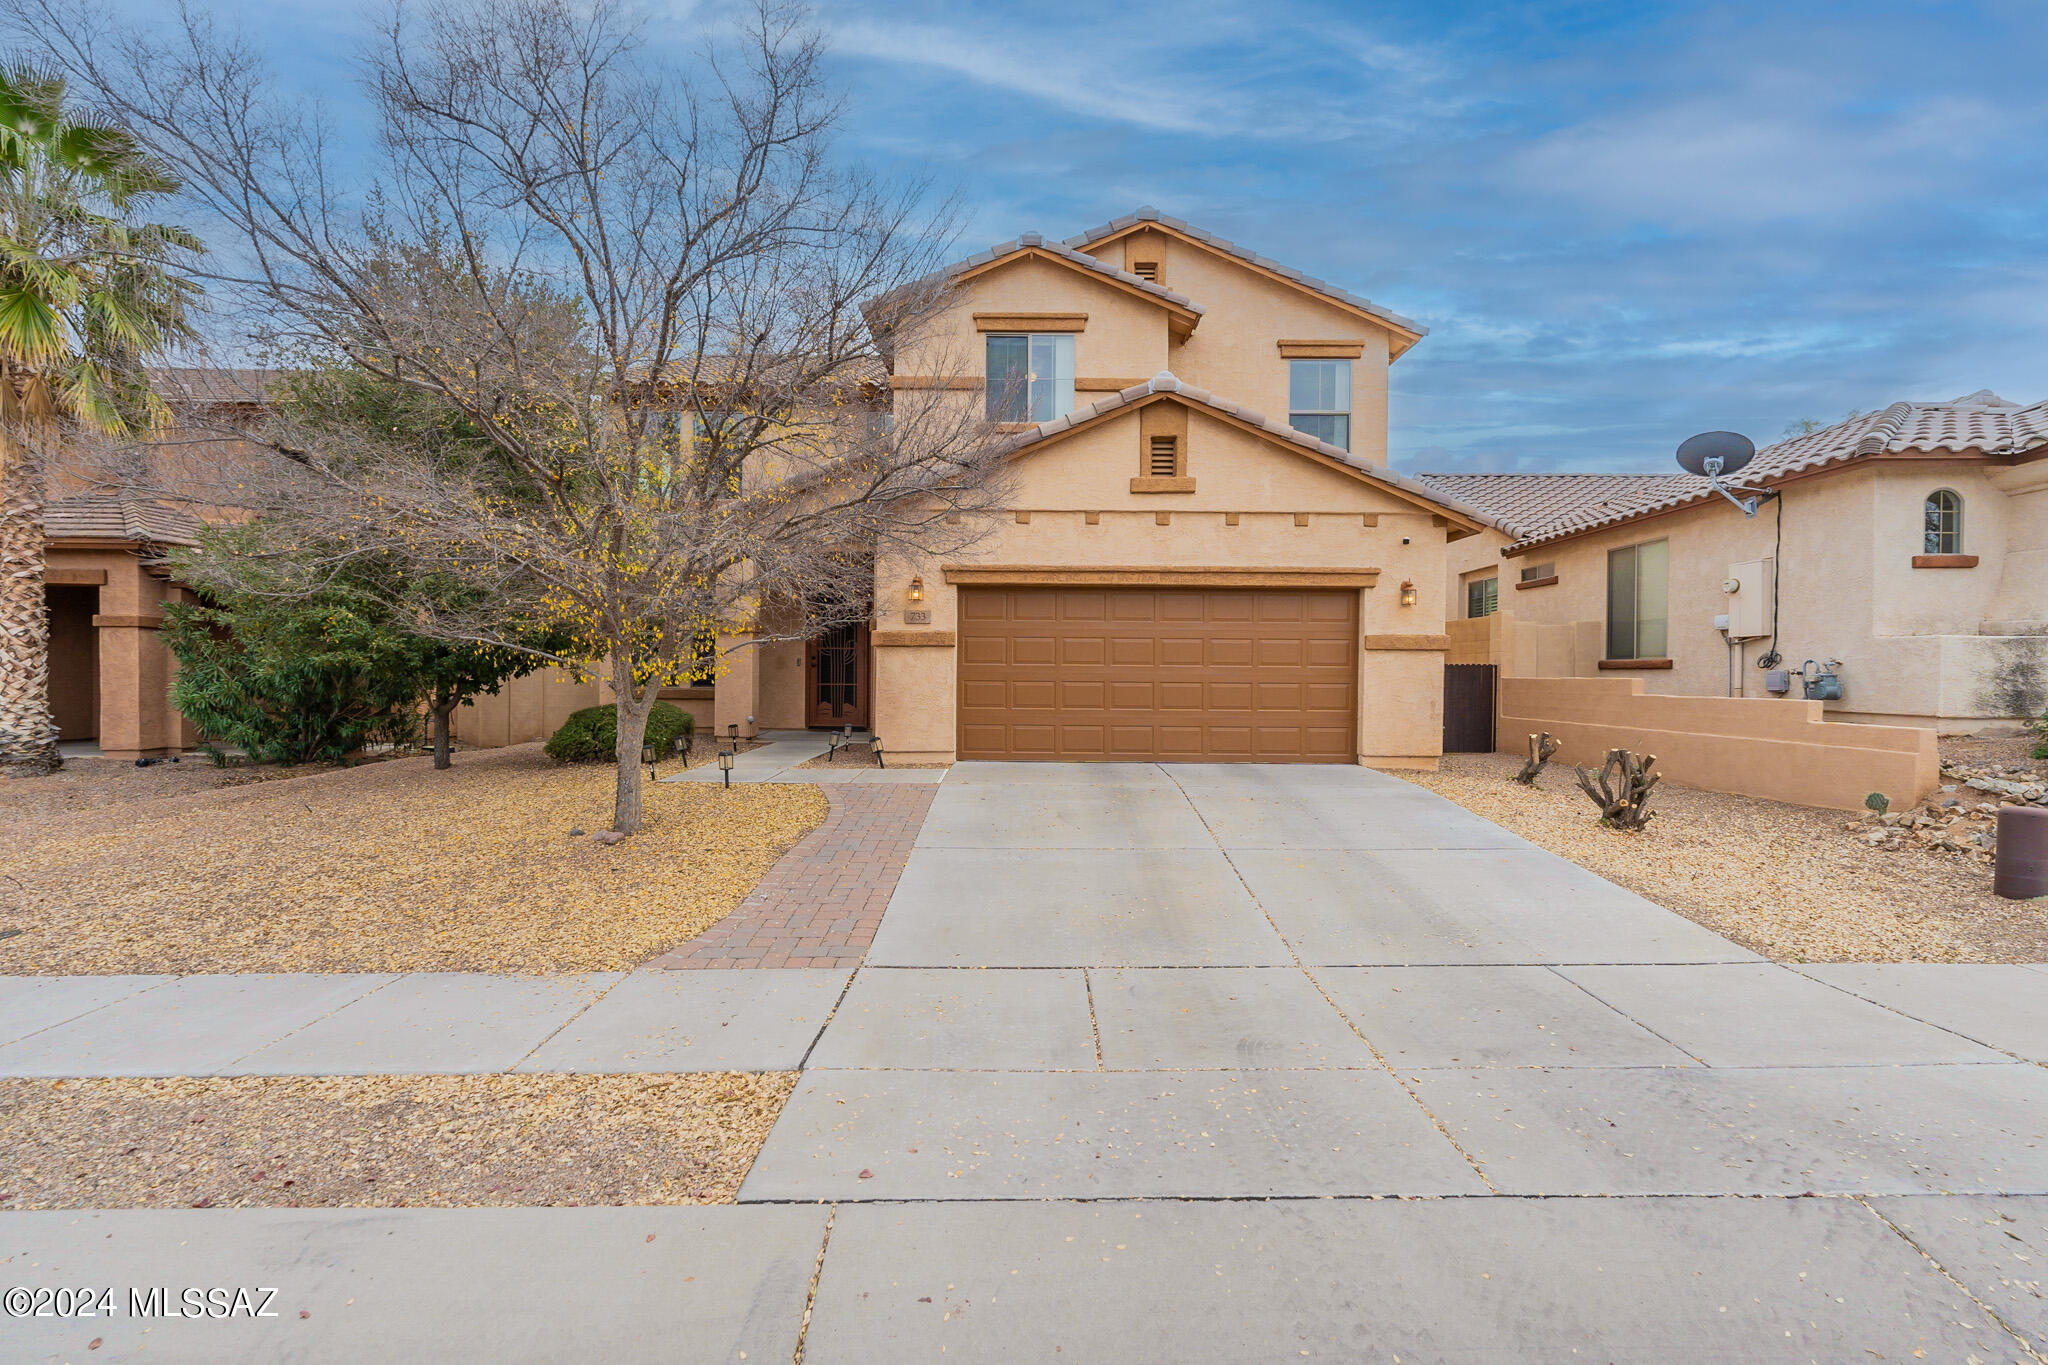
column 836, row 677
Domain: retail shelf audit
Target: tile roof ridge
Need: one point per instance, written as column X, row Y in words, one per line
column 1149, row 214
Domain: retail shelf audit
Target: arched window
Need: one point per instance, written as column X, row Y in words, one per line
column 1944, row 522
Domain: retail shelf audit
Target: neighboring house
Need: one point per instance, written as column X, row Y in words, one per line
column 1204, row 557
column 107, row 579
column 1910, row 544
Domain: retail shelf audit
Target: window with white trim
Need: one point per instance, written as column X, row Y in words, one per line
column 1482, row 596
column 1319, row 399
column 1030, row 376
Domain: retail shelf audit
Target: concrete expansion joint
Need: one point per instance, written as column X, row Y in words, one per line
column 1908, row 1014
column 1589, row 994
column 1478, row 1169
column 1943, row 1271
column 803, row 1330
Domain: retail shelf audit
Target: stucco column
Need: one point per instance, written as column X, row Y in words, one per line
column 136, row 719
column 737, row 699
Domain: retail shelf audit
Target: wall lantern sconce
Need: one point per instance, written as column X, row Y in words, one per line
column 916, row 593
column 1407, row 592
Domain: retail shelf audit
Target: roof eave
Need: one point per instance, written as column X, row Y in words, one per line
column 1404, row 332
column 1458, row 518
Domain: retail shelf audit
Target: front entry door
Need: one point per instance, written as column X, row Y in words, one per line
column 836, row 678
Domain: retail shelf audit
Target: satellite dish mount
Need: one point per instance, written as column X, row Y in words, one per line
column 1712, row 454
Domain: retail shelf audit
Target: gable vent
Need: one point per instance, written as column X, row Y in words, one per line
column 1165, row 461
column 1146, row 270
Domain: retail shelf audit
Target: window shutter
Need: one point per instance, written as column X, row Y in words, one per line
column 1165, row 457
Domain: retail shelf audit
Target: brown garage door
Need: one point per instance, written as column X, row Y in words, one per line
column 1246, row 675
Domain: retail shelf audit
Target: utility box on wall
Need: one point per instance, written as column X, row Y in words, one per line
column 1749, row 604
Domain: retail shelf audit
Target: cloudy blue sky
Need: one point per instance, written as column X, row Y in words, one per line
column 1622, row 222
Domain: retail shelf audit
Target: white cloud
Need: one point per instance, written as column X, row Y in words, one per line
column 1771, row 149
column 1059, row 74
column 1188, row 69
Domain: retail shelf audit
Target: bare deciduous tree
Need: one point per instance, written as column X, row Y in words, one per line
column 643, row 285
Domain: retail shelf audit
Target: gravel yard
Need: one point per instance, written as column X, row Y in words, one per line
column 108, row 786
column 387, row 867
column 1787, row 881
column 438, row 1141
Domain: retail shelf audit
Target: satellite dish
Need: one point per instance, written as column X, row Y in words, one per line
column 1714, row 453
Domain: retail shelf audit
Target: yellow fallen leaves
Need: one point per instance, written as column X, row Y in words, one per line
column 390, row 867
column 436, row 1141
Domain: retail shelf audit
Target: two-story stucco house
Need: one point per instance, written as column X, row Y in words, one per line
column 1909, row 544
column 1205, row 556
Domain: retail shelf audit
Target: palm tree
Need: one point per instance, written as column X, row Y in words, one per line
column 87, row 294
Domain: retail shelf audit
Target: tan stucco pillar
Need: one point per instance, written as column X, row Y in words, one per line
column 1409, row 668
column 136, row 719
column 738, row 697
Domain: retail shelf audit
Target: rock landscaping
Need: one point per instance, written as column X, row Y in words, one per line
column 392, row 867
column 1783, row 880
column 1961, row 817
column 424, row 1141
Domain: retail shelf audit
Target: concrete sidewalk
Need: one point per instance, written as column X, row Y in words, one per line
column 1172, row 1064
column 420, row 1023
column 781, row 756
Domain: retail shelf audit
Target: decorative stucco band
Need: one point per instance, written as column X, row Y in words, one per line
column 1426, row 643
column 912, row 639
column 1147, row 576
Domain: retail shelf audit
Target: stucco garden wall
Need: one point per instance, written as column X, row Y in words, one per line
column 1782, row 751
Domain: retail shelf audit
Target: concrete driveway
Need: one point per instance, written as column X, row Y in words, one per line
column 1257, row 1063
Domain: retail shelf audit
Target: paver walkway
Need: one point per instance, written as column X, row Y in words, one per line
column 822, row 902
column 1207, row 1063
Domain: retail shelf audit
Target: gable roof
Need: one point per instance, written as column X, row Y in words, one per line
column 1187, row 314
column 1539, row 508
column 1151, row 217
column 1165, row 383
column 98, row 517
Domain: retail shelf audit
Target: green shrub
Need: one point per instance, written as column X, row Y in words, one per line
column 592, row 734
column 292, row 681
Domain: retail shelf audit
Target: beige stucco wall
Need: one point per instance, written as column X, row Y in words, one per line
column 1911, row 640
column 136, row 719
column 1234, row 351
column 1265, row 486
column 2020, row 604
column 1124, row 336
column 1783, row 751
column 525, row 709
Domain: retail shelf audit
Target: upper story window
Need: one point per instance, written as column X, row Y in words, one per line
column 1030, row 376
column 1482, row 596
column 1319, row 399
column 1637, row 601
column 1944, row 522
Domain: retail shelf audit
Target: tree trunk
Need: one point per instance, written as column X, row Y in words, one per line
column 28, row 732
column 444, row 710
column 635, row 704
